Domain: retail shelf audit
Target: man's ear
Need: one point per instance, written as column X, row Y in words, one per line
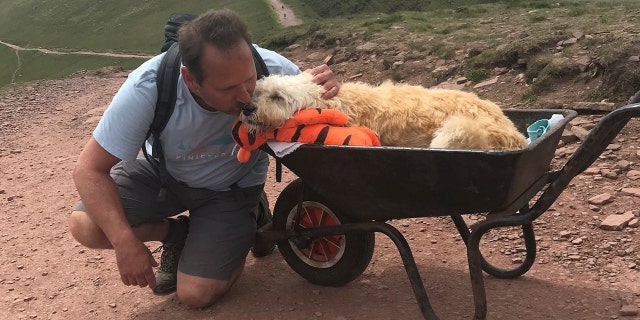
column 190, row 80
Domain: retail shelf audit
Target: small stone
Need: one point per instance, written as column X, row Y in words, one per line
column 622, row 165
column 591, row 171
column 614, row 147
column 633, row 174
column 486, row 83
column 112, row 305
column 461, row 80
column 628, row 310
column 579, row 132
column 631, row 191
column 601, row 199
column 616, row 222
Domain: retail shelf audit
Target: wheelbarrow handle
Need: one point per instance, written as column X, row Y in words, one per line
column 593, row 145
column 600, row 137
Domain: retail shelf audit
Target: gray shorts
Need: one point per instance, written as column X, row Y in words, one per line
column 222, row 223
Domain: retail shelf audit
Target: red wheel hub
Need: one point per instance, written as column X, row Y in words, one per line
column 322, row 249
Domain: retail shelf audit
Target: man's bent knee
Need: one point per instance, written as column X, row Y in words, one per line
column 86, row 232
column 200, row 292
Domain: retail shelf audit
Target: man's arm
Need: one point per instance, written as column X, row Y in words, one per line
column 102, row 203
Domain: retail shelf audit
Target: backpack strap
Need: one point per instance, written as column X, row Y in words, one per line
column 167, row 86
column 261, row 67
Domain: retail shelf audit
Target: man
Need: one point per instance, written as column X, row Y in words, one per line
column 120, row 207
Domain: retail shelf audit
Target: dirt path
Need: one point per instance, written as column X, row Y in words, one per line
column 285, row 14
column 90, row 53
column 45, row 274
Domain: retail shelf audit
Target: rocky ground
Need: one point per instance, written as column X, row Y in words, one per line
column 588, row 255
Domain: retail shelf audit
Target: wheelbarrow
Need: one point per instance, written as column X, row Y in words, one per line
column 324, row 222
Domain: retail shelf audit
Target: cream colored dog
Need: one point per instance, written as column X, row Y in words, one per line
column 401, row 115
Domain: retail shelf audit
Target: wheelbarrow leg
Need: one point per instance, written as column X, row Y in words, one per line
column 412, row 270
column 400, row 242
column 475, row 271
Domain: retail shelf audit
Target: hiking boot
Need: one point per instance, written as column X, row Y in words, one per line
column 167, row 273
column 263, row 247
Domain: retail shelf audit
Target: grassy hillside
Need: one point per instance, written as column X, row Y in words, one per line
column 476, row 34
column 101, row 26
column 585, row 50
column 114, row 25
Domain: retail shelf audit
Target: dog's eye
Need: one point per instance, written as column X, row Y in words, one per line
column 276, row 96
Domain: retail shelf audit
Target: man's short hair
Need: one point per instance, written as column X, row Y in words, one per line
column 221, row 28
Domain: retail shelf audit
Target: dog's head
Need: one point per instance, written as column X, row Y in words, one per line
column 276, row 98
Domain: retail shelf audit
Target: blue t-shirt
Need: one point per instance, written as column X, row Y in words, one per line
column 197, row 143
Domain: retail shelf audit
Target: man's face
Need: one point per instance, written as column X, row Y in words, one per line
column 229, row 78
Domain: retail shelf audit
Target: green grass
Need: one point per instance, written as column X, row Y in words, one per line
column 102, row 26
column 9, row 65
column 35, row 65
column 114, row 25
column 442, row 28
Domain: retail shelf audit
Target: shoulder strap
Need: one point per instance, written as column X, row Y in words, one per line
column 166, row 84
column 261, row 67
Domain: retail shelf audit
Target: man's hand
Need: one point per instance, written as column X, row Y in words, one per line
column 323, row 76
column 135, row 264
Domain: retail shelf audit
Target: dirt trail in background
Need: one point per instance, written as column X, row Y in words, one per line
column 90, row 53
column 285, row 14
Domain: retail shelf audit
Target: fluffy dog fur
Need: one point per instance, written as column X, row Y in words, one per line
column 401, row 115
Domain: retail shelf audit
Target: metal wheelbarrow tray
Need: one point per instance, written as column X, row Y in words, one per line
column 325, row 221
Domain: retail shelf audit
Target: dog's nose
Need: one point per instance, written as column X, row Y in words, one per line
column 248, row 109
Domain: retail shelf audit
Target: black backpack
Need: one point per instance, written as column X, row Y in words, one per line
column 166, row 83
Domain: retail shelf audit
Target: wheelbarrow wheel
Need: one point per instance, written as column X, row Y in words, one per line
column 333, row 260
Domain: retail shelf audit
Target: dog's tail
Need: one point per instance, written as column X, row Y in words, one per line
column 460, row 132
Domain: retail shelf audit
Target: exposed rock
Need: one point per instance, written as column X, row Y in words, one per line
column 367, row 47
column 616, row 222
column 486, row 83
column 601, row 199
column 596, row 106
column 631, row 191
column 579, row 132
column 629, row 310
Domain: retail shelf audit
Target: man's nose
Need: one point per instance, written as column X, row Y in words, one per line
column 248, row 109
column 244, row 95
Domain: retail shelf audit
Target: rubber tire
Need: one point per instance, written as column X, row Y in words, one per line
column 358, row 247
